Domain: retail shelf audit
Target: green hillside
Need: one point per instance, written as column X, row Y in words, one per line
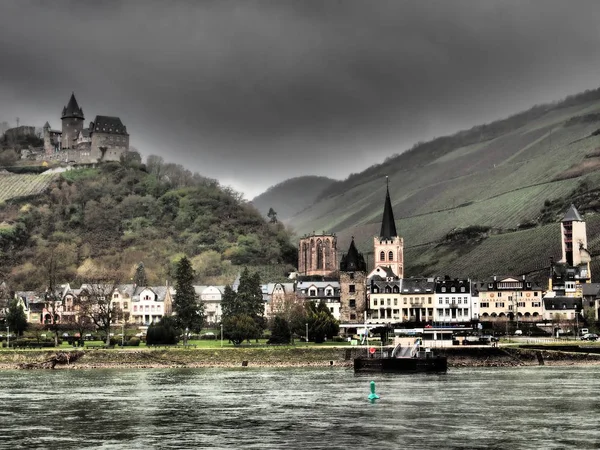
column 291, row 196
column 498, row 176
column 119, row 214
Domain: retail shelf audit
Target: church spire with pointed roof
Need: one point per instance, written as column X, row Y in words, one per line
column 388, row 224
column 388, row 246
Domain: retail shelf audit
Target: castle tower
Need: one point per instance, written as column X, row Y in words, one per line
column 353, row 286
column 574, row 238
column 48, row 149
column 317, row 254
column 72, row 123
column 388, row 246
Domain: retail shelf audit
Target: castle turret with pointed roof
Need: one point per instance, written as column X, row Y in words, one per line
column 72, row 123
column 353, row 286
column 388, row 246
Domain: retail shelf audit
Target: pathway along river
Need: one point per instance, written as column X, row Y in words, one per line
column 259, row 408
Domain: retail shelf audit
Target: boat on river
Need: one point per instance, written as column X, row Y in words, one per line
column 402, row 360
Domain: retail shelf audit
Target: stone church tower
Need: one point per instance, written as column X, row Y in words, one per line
column 388, row 246
column 353, row 286
column 317, row 255
column 72, row 123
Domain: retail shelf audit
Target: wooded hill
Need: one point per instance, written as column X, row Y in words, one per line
column 509, row 181
column 120, row 214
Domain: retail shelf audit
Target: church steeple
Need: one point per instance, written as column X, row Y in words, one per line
column 388, row 224
column 388, row 246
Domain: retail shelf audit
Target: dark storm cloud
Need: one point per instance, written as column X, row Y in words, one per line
column 251, row 92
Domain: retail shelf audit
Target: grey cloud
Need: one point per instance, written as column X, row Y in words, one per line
column 252, row 92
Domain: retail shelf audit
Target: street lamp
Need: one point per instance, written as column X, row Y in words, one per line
column 307, row 334
column 7, row 337
column 221, row 335
column 123, row 335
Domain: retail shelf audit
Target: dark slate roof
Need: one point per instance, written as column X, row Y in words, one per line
column 590, row 289
column 388, row 224
column 572, row 215
column 417, row 285
column 353, row 261
column 72, row 109
column 562, row 303
column 449, row 284
column 108, row 124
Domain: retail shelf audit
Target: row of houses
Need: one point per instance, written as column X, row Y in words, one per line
column 382, row 296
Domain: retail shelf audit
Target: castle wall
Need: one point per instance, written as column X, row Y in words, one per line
column 108, row 146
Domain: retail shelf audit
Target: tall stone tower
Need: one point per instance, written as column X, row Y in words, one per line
column 353, row 286
column 388, row 246
column 317, row 254
column 574, row 238
column 48, row 149
column 72, row 123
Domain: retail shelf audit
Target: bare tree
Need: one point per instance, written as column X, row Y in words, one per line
column 95, row 299
column 54, row 260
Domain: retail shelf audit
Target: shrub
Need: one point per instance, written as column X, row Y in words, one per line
column 162, row 333
column 133, row 342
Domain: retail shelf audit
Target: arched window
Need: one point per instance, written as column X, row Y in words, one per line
column 390, row 256
column 319, row 255
column 388, row 289
column 396, row 289
column 382, row 256
column 327, row 255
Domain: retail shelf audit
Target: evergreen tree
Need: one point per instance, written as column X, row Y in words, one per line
column 250, row 294
column 16, row 318
column 229, row 303
column 272, row 215
column 190, row 312
column 280, row 331
column 140, row 275
column 238, row 307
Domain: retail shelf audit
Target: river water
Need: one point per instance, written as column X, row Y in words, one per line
column 327, row 408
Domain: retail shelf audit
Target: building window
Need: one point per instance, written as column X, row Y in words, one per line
column 382, row 256
column 352, row 316
column 374, row 302
column 352, row 303
column 351, row 289
column 125, row 305
column 391, row 256
column 395, row 302
column 443, row 289
column 312, row 292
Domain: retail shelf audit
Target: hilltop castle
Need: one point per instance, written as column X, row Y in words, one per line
column 106, row 138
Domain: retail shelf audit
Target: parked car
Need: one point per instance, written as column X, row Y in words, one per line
column 589, row 337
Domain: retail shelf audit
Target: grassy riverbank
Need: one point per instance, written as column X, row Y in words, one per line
column 289, row 356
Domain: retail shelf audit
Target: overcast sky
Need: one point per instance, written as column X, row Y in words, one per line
column 254, row 92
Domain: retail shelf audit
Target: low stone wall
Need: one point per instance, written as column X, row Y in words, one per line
column 287, row 357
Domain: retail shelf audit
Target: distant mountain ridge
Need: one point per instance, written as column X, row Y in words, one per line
column 515, row 177
column 291, row 196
